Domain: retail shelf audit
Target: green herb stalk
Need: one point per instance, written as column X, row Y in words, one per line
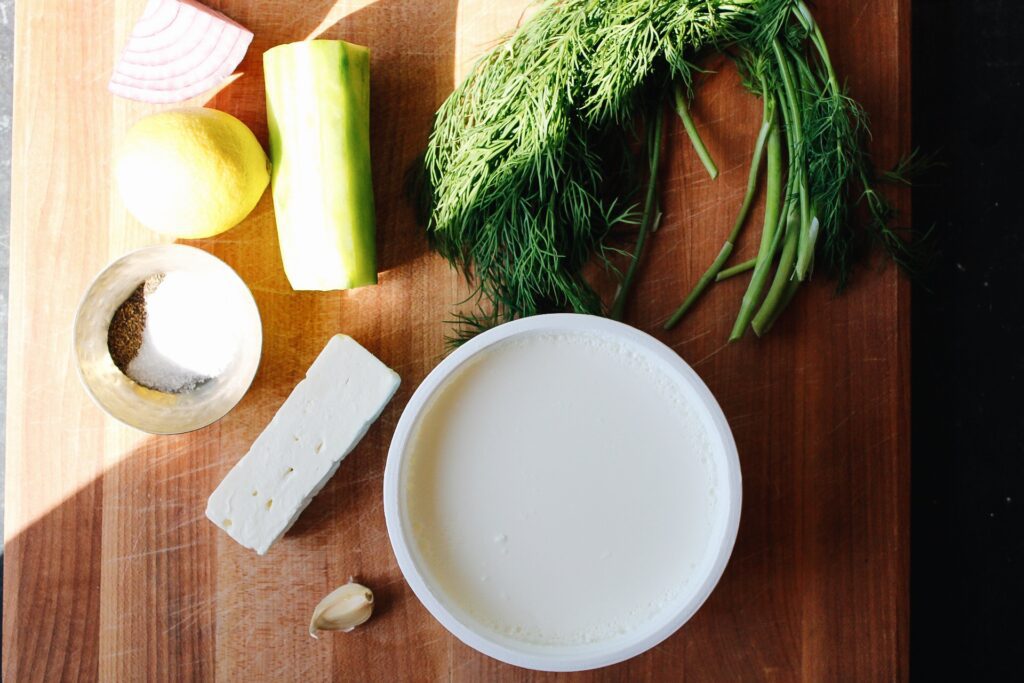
column 773, row 203
column 738, row 269
column 711, row 274
column 683, row 109
column 654, row 141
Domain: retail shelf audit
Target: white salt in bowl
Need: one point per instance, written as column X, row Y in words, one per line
column 152, row 411
column 418, row 568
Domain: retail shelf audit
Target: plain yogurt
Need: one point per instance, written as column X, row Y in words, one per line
column 559, row 489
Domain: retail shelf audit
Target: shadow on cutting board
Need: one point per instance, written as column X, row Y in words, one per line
column 130, row 561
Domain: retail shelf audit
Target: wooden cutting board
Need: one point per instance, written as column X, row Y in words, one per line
column 112, row 571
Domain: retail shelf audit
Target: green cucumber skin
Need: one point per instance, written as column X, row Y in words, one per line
column 318, row 115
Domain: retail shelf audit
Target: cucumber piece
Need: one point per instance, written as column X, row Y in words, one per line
column 318, row 112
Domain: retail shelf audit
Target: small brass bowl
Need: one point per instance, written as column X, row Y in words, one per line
column 122, row 398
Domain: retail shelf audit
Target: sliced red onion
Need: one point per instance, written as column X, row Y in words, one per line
column 177, row 50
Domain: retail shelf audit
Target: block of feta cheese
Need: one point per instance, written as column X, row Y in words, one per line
column 320, row 423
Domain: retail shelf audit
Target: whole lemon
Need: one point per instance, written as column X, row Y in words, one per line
column 191, row 173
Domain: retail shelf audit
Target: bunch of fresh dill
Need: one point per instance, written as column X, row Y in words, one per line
column 529, row 166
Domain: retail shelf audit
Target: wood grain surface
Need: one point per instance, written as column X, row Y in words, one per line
column 112, row 571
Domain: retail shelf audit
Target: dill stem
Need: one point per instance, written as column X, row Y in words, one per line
column 783, row 276
column 711, row 274
column 762, row 328
column 773, row 199
column 796, row 153
column 733, row 271
column 741, row 268
column 654, row 150
column 702, row 284
column 787, row 295
column 809, row 221
column 804, row 16
column 691, row 130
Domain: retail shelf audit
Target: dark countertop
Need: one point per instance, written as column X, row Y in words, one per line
column 968, row 330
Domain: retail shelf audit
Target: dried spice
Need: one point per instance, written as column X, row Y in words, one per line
column 172, row 334
column 124, row 336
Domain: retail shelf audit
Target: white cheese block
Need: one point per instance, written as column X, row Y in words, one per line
column 320, row 423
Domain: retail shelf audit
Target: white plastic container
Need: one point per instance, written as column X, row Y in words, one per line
column 575, row 656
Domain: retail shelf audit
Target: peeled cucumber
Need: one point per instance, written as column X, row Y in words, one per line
column 318, row 112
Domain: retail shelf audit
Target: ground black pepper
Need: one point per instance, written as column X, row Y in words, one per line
column 124, row 336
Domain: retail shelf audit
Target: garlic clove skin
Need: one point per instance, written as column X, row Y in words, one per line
column 342, row 609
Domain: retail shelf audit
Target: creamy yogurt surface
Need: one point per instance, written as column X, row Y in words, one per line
column 560, row 489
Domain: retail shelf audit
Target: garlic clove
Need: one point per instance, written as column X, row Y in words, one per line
column 343, row 609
